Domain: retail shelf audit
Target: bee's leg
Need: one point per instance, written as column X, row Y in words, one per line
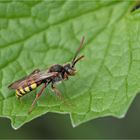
column 66, row 76
column 37, row 97
column 19, row 98
column 56, row 91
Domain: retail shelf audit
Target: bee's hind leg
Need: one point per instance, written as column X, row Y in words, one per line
column 36, row 98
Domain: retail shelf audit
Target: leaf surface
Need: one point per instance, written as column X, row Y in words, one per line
column 41, row 33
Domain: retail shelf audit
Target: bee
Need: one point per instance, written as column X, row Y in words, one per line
column 54, row 75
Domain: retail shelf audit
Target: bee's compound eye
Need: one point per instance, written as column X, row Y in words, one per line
column 67, row 67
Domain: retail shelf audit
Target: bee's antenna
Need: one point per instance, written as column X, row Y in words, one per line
column 78, row 50
column 79, row 58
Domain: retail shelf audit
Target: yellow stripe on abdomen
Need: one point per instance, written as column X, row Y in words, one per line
column 22, row 91
column 27, row 89
column 33, row 86
column 18, row 93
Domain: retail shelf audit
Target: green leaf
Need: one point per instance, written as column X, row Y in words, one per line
column 37, row 34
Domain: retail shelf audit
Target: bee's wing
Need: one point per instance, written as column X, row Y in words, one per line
column 44, row 75
column 17, row 83
column 34, row 76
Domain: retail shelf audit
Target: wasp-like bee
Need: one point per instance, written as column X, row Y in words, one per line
column 55, row 74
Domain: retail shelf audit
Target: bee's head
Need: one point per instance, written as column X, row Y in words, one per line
column 69, row 69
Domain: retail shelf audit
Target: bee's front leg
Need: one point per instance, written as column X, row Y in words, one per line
column 58, row 93
column 66, row 76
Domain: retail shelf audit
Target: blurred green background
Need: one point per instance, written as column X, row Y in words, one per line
column 59, row 126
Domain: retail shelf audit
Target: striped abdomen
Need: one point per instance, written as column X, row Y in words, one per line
column 24, row 90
